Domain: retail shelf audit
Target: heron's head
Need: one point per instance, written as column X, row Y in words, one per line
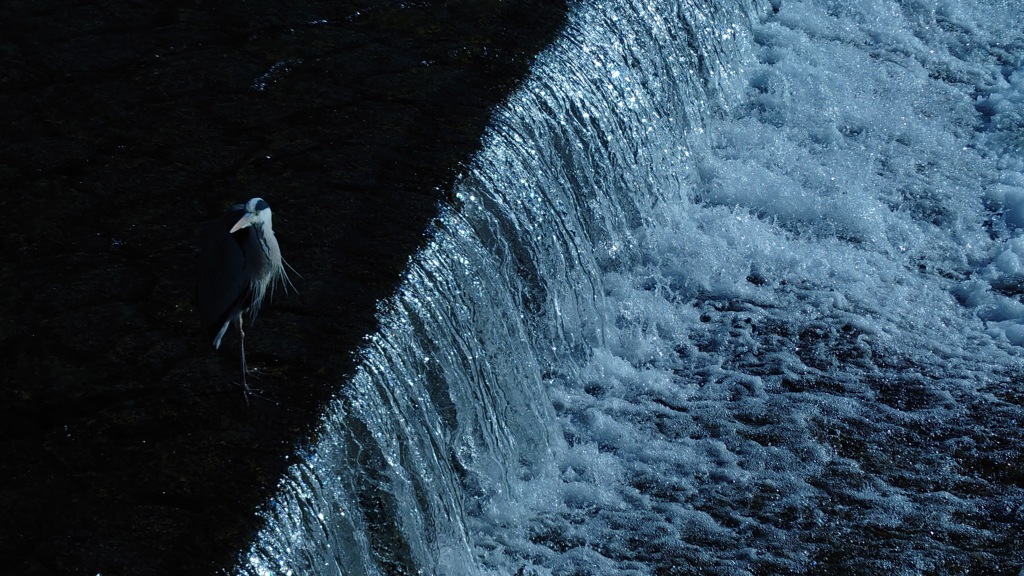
column 257, row 213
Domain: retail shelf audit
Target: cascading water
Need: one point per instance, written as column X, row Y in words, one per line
column 730, row 287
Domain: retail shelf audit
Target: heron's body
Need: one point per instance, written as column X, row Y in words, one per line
column 239, row 261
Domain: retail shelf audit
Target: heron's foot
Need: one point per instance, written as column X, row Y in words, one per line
column 248, row 391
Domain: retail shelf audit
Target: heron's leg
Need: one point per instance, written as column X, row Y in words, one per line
column 245, row 369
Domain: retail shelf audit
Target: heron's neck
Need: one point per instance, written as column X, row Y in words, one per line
column 268, row 243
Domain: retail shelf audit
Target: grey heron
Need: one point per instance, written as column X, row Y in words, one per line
column 238, row 261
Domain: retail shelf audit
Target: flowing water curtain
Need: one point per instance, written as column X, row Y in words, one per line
column 576, row 163
column 448, row 416
column 565, row 189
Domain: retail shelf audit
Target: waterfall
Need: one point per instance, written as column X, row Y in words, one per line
column 672, row 316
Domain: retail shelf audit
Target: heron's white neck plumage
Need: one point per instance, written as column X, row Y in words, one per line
column 275, row 272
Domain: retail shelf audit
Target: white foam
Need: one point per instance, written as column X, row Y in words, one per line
column 814, row 247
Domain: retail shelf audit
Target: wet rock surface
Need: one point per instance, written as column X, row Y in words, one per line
column 126, row 444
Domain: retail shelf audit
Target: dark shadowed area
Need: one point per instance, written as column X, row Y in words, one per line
column 126, row 445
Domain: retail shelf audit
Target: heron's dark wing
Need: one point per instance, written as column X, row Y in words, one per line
column 220, row 279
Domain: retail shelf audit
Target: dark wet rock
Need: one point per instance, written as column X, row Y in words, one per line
column 126, row 446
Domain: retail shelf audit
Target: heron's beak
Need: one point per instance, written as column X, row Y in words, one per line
column 243, row 222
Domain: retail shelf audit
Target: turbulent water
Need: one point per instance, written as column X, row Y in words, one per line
column 732, row 287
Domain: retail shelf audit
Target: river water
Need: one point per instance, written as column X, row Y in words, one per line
column 732, row 287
